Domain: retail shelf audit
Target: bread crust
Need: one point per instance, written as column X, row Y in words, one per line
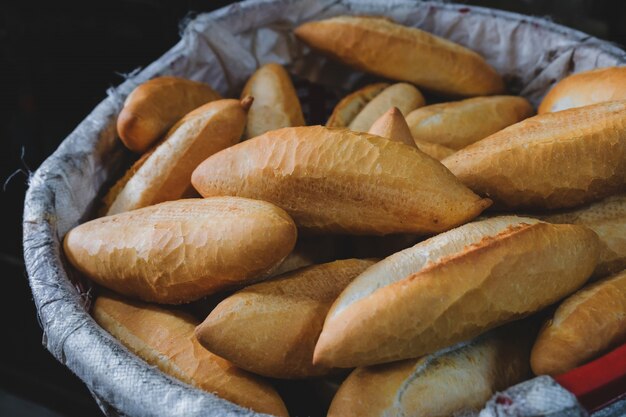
column 180, row 251
column 550, row 161
column 338, row 181
column 458, row 124
column 271, row 328
column 276, row 103
column 608, row 219
column 585, row 88
column 453, row 287
column 154, row 106
column 166, row 173
column 403, row 96
column 165, row 339
column 450, row 382
column 586, row 325
column 382, row 47
column 348, row 107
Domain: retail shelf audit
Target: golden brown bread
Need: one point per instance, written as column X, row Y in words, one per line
column 460, row 123
column 453, row 287
column 271, row 328
column 154, row 106
column 401, row 95
column 585, row 88
column 586, row 325
column 275, row 104
column 348, row 107
column 339, row 181
column 183, row 250
column 553, row 160
column 392, row 125
column 608, row 219
column 449, row 382
column 385, row 48
column 166, row 174
column 165, row 339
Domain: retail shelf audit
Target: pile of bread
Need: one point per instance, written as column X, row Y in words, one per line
column 298, row 252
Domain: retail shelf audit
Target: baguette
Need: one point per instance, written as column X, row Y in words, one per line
column 550, row 161
column 453, row 287
column 164, row 338
column 385, row 48
column 275, row 104
column 401, row 95
column 338, row 181
column 585, row 88
column 392, row 126
column 180, row 251
column 449, row 382
column 271, row 328
column 586, row 325
column 461, row 123
column 166, row 174
column 608, row 219
column 153, row 107
column 346, row 110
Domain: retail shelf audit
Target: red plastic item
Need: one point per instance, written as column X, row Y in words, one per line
column 598, row 383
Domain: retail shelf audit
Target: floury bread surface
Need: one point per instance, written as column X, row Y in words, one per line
column 339, row 181
column 382, row 47
column 165, row 339
column 453, row 287
column 550, row 161
column 155, row 106
column 183, row 250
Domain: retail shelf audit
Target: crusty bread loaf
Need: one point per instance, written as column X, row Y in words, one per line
column 182, row 250
column 449, row 382
column 401, row 95
column 554, row 160
column 385, row 48
column 586, row 325
column 608, row 219
column 165, row 339
column 460, row 123
column 166, row 174
column 453, row 287
column 153, row 107
column 348, row 107
column 392, row 125
column 275, row 104
column 271, row 328
column 336, row 180
column 585, row 88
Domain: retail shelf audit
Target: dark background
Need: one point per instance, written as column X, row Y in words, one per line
column 56, row 62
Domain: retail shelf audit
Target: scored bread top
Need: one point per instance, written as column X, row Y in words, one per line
column 349, row 106
column 380, row 46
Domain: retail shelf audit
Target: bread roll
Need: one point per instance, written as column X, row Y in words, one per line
column 449, row 382
column 453, row 287
column 271, row 328
column 586, row 325
column 554, row 160
column 458, row 124
column 392, row 126
column 166, row 174
column 165, row 339
column 608, row 219
column 385, row 48
column 180, row 251
column 401, row 95
column 585, row 88
column 153, row 107
column 338, row 181
column 275, row 104
column 346, row 110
